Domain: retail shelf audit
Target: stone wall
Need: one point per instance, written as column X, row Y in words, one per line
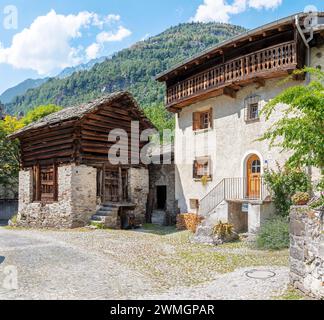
column 138, row 190
column 164, row 175
column 307, row 251
column 76, row 199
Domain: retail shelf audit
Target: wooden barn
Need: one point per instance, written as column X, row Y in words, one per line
column 66, row 178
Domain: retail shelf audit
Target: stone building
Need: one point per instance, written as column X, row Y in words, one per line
column 217, row 97
column 162, row 206
column 66, row 178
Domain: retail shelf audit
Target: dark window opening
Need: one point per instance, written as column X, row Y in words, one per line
column 161, row 196
column 252, row 112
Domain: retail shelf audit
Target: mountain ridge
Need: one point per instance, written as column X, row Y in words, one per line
column 21, row 88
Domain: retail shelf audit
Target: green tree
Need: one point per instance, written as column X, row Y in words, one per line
column 301, row 129
column 160, row 117
column 284, row 183
column 9, row 149
column 39, row 112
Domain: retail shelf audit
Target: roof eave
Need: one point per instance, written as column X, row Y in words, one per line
column 161, row 77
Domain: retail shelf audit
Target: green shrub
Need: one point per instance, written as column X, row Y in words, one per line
column 284, row 183
column 274, row 234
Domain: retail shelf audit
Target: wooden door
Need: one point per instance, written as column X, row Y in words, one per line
column 111, row 186
column 116, row 185
column 253, row 177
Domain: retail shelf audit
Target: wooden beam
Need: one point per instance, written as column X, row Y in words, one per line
column 260, row 82
column 174, row 109
column 228, row 91
column 236, row 86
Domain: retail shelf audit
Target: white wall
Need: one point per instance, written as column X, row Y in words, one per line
column 229, row 142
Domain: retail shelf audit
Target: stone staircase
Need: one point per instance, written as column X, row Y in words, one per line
column 107, row 216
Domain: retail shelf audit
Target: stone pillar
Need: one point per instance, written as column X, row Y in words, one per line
column 83, row 194
column 25, row 188
column 307, row 251
column 258, row 214
column 138, row 190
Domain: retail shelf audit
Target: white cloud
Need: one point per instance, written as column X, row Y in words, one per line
column 220, row 10
column 92, row 51
column 112, row 18
column 46, row 45
column 264, row 4
column 110, row 36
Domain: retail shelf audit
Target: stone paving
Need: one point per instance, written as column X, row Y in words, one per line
column 233, row 286
column 119, row 265
column 50, row 269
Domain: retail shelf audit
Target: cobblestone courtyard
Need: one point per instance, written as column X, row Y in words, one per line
column 155, row 263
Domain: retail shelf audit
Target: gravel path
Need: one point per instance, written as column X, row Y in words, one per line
column 130, row 265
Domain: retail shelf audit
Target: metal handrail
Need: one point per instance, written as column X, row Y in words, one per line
column 243, row 189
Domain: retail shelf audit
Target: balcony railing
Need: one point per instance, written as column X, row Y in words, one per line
column 280, row 57
column 234, row 189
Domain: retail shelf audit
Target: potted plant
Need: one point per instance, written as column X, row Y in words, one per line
column 204, row 180
column 300, row 198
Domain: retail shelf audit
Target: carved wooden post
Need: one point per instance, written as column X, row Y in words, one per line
column 120, row 185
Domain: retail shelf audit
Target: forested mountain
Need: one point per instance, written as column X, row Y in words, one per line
column 132, row 69
column 20, row 89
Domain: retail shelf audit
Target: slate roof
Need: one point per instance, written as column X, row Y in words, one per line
column 79, row 111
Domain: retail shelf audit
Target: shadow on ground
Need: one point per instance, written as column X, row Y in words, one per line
column 158, row 229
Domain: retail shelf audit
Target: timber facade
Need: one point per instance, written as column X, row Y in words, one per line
column 66, row 177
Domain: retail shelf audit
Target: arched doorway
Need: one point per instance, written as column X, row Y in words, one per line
column 253, row 176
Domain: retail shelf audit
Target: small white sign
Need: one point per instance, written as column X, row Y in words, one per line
column 245, row 207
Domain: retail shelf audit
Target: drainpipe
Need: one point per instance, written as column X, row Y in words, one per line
column 306, row 41
column 308, row 63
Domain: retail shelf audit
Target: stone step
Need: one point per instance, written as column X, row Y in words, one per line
column 109, row 205
column 97, row 218
column 104, row 213
column 102, row 208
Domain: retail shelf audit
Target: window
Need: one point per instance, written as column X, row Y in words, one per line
column 202, row 120
column 252, row 108
column 45, row 183
column 256, row 166
column 253, row 111
column 202, row 168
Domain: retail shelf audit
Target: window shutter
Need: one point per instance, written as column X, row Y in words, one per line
column 211, row 120
column 195, row 121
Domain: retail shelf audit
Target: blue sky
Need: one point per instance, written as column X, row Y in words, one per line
column 50, row 35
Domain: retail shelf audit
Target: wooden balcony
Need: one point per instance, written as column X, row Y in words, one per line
column 226, row 78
